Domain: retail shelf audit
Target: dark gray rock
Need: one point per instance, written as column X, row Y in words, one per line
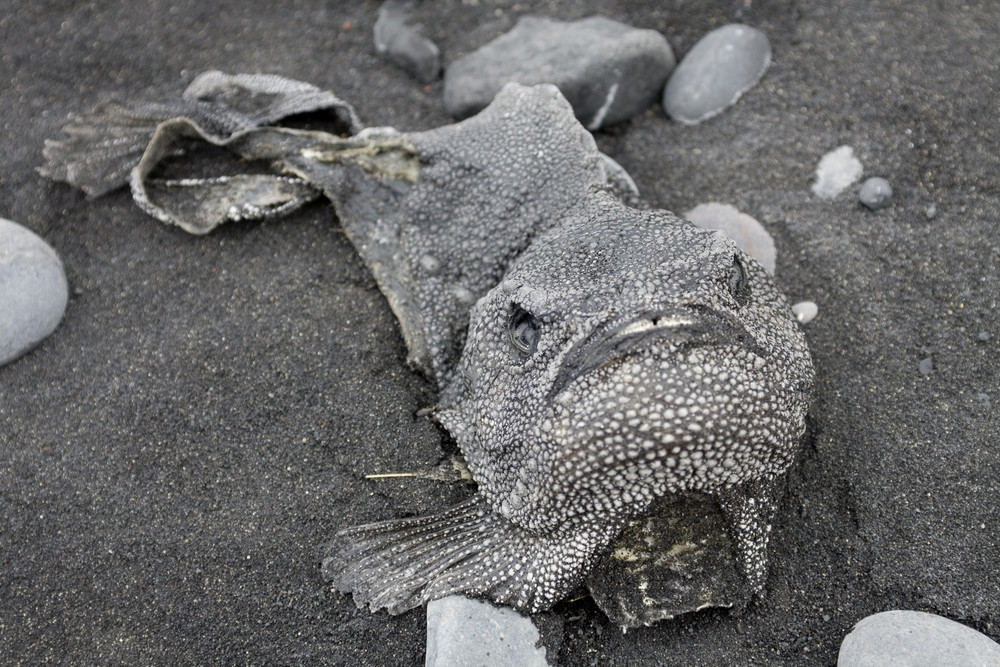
column 402, row 44
column 677, row 560
column 915, row 639
column 607, row 70
column 717, row 70
column 33, row 290
column 463, row 631
column 876, row 193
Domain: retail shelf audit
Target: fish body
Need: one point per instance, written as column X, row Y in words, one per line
column 624, row 356
column 592, row 358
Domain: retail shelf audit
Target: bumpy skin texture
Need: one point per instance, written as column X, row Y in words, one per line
column 613, row 356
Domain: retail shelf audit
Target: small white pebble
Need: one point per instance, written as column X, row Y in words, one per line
column 805, row 311
column 836, row 171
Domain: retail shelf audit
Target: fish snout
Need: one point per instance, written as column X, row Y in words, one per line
column 682, row 329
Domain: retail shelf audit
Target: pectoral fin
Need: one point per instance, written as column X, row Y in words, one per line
column 468, row 549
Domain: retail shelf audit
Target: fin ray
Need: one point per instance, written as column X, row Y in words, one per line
column 467, row 549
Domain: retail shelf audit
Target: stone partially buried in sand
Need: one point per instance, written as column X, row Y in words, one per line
column 607, row 70
column 463, row 631
column 33, row 290
column 744, row 230
column 717, row 70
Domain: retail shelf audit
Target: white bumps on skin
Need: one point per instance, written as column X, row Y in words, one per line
column 662, row 419
column 512, row 208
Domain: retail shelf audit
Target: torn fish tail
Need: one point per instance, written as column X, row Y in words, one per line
column 98, row 149
column 468, row 549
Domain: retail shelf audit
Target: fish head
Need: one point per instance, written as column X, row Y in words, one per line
column 625, row 355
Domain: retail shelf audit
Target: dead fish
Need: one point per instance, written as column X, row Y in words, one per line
column 593, row 359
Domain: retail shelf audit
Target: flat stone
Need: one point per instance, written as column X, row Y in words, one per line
column 836, row 171
column 402, row 44
column 748, row 234
column 33, row 290
column 717, row 70
column 875, row 193
column 915, row 639
column 463, row 631
column 607, row 70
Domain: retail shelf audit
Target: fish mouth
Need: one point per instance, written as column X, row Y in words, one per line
column 687, row 328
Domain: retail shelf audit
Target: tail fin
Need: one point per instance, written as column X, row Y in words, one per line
column 468, row 549
column 100, row 148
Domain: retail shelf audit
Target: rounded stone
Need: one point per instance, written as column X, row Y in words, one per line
column 608, row 71
column 805, row 311
column 717, row 70
column 876, row 193
column 748, row 234
column 33, row 290
column 915, row 639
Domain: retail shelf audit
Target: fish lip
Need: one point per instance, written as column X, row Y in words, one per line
column 688, row 327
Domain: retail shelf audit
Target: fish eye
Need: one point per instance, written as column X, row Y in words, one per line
column 524, row 329
column 738, row 282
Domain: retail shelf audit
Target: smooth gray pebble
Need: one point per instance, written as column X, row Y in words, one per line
column 33, row 290
column 717, row 70
column 876, row 193
column 805, row 311
column 915, row 639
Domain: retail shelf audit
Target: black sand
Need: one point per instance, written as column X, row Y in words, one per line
column 176, row 454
